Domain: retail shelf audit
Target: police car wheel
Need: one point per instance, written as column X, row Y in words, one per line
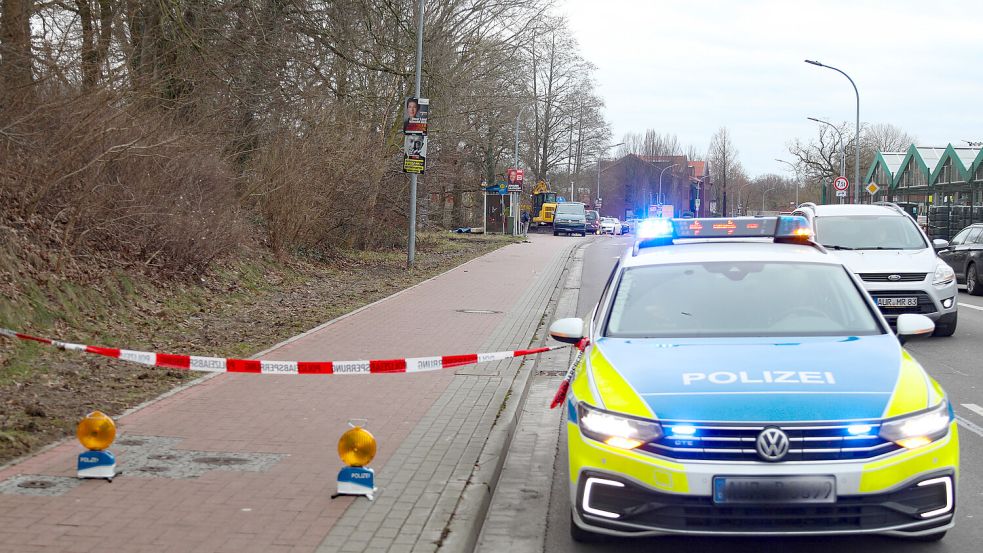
column 927, row 538
column 580, row 535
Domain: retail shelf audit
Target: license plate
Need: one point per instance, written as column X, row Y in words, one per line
column 897, row 302
column 774, row 490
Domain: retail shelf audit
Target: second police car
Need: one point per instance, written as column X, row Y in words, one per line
column 738, row 381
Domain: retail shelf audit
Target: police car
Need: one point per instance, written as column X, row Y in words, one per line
column 739, row 381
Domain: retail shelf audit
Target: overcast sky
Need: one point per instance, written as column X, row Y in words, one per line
column 690, row 67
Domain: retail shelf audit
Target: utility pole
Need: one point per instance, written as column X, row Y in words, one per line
column 411, row 247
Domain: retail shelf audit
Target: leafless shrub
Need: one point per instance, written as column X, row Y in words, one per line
column 115, row 180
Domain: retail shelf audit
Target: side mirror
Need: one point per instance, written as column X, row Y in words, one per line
column 940, row 244
column 568, row 331
column 912, row 326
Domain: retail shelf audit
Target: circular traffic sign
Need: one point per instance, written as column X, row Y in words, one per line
column 841, row 183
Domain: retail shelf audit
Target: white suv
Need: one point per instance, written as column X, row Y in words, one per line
column 893, row 257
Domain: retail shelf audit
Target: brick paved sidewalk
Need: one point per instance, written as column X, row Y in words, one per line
column 248, row 462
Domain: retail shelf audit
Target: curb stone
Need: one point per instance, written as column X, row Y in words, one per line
column 518, row 512
column 436, row 486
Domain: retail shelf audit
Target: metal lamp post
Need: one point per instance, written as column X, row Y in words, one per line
column 740, row 194
column 856, row 161
column 411, row 246
column 842, row 144
column 599, row 157
column 763, row 194
column 660, row 179
column 796, row 169
column 515, row 218
column 842, row 150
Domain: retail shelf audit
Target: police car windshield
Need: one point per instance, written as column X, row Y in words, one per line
column 738, row 299
column 869, row 232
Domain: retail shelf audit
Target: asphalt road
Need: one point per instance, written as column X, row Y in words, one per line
column 957, row 363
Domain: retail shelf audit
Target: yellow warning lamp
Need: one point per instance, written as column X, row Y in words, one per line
column 356, row 447
column 96, row 433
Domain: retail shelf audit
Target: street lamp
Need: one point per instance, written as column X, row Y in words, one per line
column 411, row 242
column 763, row 194
column 740, row 192
column 796, row 169
column 667, row 167
column 856, row 161
column 842, row 144
column 515, row 218
column 599, row 156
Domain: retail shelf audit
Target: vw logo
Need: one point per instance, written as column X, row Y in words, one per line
column 772, row 444
column 894, row 278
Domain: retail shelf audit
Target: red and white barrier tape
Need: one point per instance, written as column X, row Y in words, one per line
column 561, row 391
column 257, row 366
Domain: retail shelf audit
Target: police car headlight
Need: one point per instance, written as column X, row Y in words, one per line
column 943, row 274
column 616, row 430
column 919, row 429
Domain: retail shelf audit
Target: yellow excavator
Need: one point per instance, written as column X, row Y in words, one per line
column 543, row 204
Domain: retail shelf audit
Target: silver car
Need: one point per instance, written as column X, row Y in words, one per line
column 896, row 261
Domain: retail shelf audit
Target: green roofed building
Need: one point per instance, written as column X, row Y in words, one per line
column 942, row 187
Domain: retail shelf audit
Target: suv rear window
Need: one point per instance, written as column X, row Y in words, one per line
column 869, row 232
column 570, row 209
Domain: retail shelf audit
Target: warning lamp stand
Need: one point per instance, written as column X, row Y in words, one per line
column 96, row 432
column 97, row 464
column 356, row 448
column 356, row 481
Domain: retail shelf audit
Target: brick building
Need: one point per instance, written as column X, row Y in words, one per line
column 629, row 185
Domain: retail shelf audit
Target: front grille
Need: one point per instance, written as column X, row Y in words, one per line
column 640, row 506
column 737, row 443
column 885, row 277
column 924, row 307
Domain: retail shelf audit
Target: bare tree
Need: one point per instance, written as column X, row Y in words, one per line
column 819, row 158
column 16, row 59
column 723, row 164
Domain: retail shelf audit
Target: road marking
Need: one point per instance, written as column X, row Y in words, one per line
column 974, row 408
column 971, row 306
column 971, row 426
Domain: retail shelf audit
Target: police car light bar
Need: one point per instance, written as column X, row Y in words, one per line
column 662, row 232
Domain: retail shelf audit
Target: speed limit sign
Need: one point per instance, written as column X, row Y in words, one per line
column 841, row 183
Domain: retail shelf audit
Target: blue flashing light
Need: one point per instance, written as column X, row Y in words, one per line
column 858, row 429
column 793, row 226
column 683, row 430
column 654, row 228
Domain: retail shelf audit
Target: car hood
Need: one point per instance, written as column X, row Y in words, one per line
column 756, row 379
column 887, row 261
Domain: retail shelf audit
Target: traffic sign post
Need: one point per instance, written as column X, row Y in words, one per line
column 841, row 184
column 872, row 188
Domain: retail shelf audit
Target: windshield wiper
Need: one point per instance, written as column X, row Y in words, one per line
column 832, row 247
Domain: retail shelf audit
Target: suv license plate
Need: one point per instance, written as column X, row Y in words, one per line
column 774, row 490
column 897, row 302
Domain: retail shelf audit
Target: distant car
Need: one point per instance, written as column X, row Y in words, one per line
column 625, row 227
column 965, row 256
column 610, row 225
column 593, row 221
column 570, row 218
